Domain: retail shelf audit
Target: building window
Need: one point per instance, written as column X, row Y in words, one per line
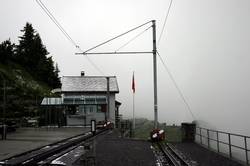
column 99, row 108
column 91, row 109
column 89, row 100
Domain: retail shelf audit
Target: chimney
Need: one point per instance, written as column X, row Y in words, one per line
column 82, row 73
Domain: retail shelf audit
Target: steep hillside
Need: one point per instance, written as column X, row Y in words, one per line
column 29, row 73
column 23, row 92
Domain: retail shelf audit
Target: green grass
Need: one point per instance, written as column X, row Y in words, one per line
column 173, row 133
column 144, row 127
column 23, row 92
column 17, row 76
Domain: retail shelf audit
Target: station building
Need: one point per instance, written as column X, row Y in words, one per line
column 82, row 99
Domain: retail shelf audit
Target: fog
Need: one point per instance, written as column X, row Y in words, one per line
column 205, row 44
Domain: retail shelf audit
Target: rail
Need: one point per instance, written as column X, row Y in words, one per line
column 173, row 158
column 46, row 153
column 205, row 134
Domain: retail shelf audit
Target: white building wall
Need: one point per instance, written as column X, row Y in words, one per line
column 112, row 108
column 94, row 115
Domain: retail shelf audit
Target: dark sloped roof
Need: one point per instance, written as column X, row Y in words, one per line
column 88, row 84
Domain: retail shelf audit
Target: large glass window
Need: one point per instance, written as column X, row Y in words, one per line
column 89, row 100
column 101, row 100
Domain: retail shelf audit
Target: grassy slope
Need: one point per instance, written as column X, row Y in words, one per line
column 23, row 93
column 16, row 76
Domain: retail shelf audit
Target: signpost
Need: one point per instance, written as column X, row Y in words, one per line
column 93, row 127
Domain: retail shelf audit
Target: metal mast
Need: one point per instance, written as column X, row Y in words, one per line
column 135, row 52
column 155, row 76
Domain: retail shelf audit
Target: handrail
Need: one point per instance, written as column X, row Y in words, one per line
column 208, row 137
column 223, row 132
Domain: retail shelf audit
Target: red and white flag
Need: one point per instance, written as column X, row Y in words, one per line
column 133, row 83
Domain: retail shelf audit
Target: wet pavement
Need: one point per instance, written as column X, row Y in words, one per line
column 204, row 157
column 107, row 149
column 25, row 139
column 113, row 150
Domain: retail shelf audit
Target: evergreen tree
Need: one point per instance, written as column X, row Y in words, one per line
column 57, row 79
column 24, row 49
column 32, row 54
column 29, row 56
column 6, row 51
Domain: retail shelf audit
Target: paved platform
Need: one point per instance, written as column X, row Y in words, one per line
column 112, row 150
column 25, row 139
column 203, row 156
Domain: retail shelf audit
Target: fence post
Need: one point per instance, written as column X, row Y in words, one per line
column 218, row 144
column 200, row 136
column 229, row 144
column 208, row 145
column 246, row 149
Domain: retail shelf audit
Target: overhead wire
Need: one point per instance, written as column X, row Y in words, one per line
column 165, row 21
column 177, row 87
column 132, row 39
column 50, row 15
column 107, row 41
column 167, row 69
column 54, row 20
column 93, row 64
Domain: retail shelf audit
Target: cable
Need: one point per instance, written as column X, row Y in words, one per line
column 93, row 64
column 176, row 86
column 116, row 37
column 50, row 15
column 133, row 39
column 54, row 20
column 167, row 69
column 165, row 22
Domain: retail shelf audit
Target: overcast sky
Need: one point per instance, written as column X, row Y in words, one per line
column 205, row 45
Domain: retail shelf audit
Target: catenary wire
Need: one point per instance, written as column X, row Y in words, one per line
column 167, row 69
column 176, row 86
column 50, row 15
column 54, row 20
column 107, row 41
column 93, row 64
column 135, row 37
column 165, row 21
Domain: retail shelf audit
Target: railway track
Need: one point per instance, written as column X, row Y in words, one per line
column 59, row 153
column 172, row 158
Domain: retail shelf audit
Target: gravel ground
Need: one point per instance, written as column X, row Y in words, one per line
column 112, row 150
column 203, row 156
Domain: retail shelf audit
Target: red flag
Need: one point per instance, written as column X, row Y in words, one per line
column 133, row 83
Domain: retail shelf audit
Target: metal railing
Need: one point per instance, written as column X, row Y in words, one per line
column 204, row 133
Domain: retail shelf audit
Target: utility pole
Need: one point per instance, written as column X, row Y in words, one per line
column 135, row 52
column 155, row 76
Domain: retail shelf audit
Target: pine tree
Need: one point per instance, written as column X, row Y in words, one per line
column 32, row 54
column 24, row 49
column 57, row 83
column 6, row 51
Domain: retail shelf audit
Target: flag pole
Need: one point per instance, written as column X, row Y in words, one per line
column 133, row 111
